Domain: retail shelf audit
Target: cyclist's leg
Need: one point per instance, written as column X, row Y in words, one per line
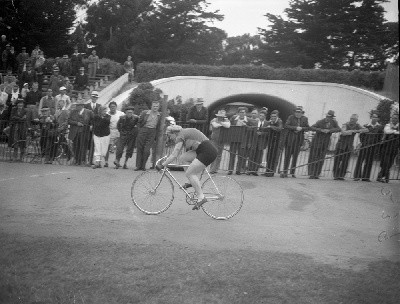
column 192, row 173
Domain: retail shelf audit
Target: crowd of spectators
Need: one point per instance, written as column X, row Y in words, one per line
column 255, row 139
column 258, row 139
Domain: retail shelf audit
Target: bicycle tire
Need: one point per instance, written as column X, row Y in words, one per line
column 32, row 150
column 61, row 152
column 230, row 199
column 146, row 198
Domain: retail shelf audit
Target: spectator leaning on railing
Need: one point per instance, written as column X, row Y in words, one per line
column 296, row 125
column 216, row 125
column 344, row 146
column 390, row 148
column 319, row 146
column 369, row 147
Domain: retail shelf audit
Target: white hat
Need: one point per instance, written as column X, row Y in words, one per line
column 95, row 94
column 63, row 88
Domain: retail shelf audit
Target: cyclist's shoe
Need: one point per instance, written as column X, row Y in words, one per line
column 199, row 204
column 186, row 186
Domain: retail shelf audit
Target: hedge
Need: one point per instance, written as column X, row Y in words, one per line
column 146, row 72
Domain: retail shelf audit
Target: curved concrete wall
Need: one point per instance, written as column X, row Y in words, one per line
column 316, row 97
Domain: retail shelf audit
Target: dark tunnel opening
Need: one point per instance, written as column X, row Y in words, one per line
column 230, row 103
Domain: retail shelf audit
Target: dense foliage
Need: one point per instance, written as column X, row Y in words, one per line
column 165, row 30
column 152, row 71
column 142, row 97
column 43, row 22
column 330, row 34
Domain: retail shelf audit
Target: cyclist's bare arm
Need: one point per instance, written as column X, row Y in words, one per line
column 174, row 154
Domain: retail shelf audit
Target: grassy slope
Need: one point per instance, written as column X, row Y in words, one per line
column 45, row 270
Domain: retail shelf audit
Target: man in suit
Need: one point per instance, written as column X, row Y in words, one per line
column 237, row 145
column 92, row 103
column 81, row 82
column 344, row 147
column 390, row 148
column 216, row 125
column 80, row 121
column 149, row 124
column 197, row 116
column 93, row 106
column 259, row 143
column 324, row 128
column 275, row 126
column 369, row 147
column 296, row 125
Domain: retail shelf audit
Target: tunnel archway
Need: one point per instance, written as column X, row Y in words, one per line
column 284, row 107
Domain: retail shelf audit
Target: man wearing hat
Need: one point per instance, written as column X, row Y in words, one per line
column 92, row 103
column 197, row 116
column 5, row 55
column 237, row 145
column 76, row 61
column 65, row 66
column 33, row 97
column 47, row 134
column 127, row 127
column 48, row 101
column 39, row 65
column 217, row 124
column 319, row 145
column 390, row 148
column 260, row 137
column 344, row 146
column 21, row 60
column 296, row 125
column 63, row 98
column 18, row 130
column 80, row 121
column 81, row 82
column 56, row 81
column 29, row 76
column 370, row 144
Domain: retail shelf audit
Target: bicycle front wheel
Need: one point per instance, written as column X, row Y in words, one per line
column 224, row 197
column 152, row 192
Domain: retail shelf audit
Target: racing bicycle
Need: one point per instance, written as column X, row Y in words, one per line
column 153, row 193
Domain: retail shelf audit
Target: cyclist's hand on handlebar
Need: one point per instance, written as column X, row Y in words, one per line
column 159, row 167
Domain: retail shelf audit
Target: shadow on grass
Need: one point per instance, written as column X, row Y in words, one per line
column 50, row 270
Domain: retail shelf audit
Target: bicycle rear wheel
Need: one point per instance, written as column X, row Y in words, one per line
column 152, row 192
column 224, row 197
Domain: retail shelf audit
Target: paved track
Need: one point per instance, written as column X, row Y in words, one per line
column 332, row 221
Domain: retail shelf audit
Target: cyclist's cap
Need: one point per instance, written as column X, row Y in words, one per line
column 173, row 129
column 63, row 88
column 25, row 84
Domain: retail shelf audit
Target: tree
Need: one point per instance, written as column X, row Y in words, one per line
column 241, row 50
column 165, row 30
column 177, row 31
column 111, row 26
column 43, row 22
column 329, row 34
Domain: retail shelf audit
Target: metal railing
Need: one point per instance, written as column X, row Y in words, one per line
column 243, row 150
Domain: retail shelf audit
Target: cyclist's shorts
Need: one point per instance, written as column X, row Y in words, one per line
column 206, row 152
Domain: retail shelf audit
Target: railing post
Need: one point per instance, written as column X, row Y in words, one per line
column 160, row 136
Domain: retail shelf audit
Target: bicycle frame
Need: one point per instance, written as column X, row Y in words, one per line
column 167, row 171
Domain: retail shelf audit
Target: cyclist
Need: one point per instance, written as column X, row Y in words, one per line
column 201, row 152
